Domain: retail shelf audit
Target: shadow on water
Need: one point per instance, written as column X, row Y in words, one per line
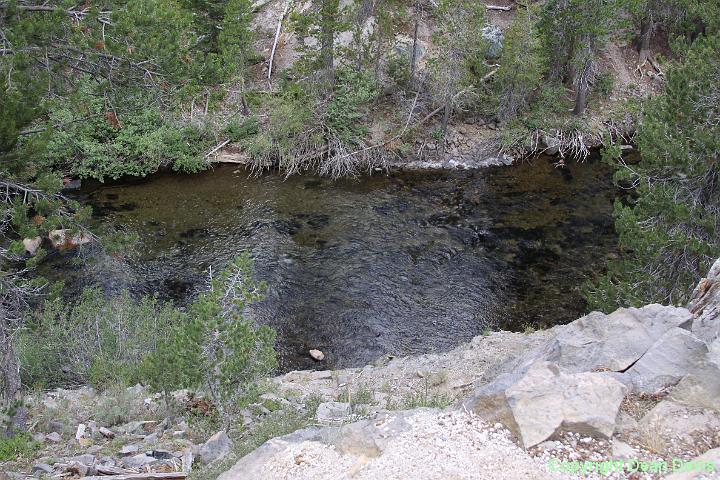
column 400, row 264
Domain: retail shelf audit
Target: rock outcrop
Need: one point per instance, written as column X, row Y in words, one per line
column 636, row 383
column 544, row 401
column 667, row 361
column 393, row 446
column 611, row 342
column 216, row 447
column 705, row 306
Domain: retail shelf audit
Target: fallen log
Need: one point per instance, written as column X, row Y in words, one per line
column 498, row 7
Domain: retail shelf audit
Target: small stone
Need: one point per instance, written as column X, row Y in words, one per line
column 162, row 454
column 38, row 437
column 548, row 445
column 42, row 467
column 333, row 412
column 53, row 437
column 129, row 449
column 80, row 431
column 31, row 245
column 317, row 355
column 94, row 449
column 106, row 432
column 187, row 460
column 622, row 450
column 137, row 461
column 216, row 447
column 85, row 459
column 79, row 469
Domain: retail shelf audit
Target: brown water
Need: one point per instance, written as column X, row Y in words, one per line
column 393, row 264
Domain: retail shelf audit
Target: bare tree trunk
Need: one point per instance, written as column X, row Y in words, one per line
column 328, row 14
column 646, row 28
column 10, row 393
column 446, row 121
column 413, row 60
column 582, row 86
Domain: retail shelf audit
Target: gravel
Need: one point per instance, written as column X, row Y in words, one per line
column 438, row 445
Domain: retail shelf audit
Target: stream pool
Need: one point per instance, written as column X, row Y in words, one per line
column 389, row 264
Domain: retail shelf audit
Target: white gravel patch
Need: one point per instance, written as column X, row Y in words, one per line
column 438, row 445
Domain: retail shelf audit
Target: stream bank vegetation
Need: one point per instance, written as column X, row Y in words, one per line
column 110, row 89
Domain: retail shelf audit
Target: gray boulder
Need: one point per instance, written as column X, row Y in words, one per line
column 705, row 305
column 701, row 387
column 252, row 466
column 672, row 425
column 545, row 401
column 552, row 145
column 42, row 468
column 365, row 439
column 138, row 461
column 369, row 438
column 215, row 448
column 493, row 36
column 611, row 342
column 333, row 412
column 674, row 355
column 703, row 467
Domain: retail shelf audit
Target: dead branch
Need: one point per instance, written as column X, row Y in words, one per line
column 655, row 66
column 217, row 147
column 278, row 30
column 498, row 7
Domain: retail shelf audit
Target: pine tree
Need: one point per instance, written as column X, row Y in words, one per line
column 217, row 348
column 522, row 65
column 459, row 56
column 669, row 233
column 574, row 32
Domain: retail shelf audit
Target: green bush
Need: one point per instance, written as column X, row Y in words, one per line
column 19, row 446
column 398, row 69
column 216, row 348
column 237, row 131
column 668, row 231
column 97, row 340
column 347, row 111
column 101, row 142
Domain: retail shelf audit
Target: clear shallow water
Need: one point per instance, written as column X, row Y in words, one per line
column 383, row 265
